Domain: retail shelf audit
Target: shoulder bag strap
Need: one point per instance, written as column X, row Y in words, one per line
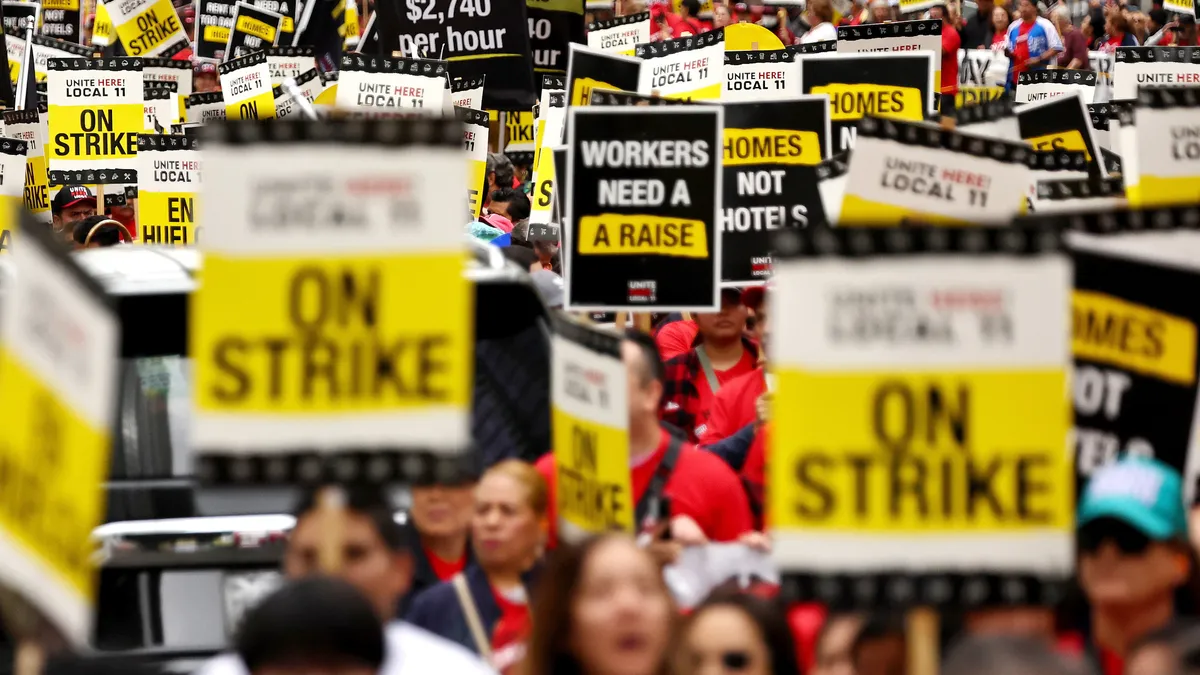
column 658, row 483
column 472, row 614
column 714, row 385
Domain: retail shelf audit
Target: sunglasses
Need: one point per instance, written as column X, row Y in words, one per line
column 1127, row 539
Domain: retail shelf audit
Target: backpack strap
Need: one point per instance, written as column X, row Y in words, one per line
column 714, row 385
column 471, row 612
column 658, row 484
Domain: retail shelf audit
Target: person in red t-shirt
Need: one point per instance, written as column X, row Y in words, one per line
column 439, row 524
column 688, row 21
column 706, row 499
column 675, row 337
column 950, row 46
column 736, row 404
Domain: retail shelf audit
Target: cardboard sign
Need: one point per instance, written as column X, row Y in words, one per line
column 28, row 126
column 894, row 85
column 21, row 13
column 1043, row 85
column 95, row 117
column 627, row 98
column 467, row 92
column 61, row 19
column 289, row 10
column 46, row 48
column 896, row 36
column 898, row 355
column 148, row 27
column 1162, row 166
column 214, row 23
column 831, row 184
column 246, row 88
column 550, row 128
column 642, row 199
column 173, row 71
column 381, row 83
column 591, row 69
column 1078, row 195
column 479, row 37
column 1102, row 114
column 765, row 188
column 591, row 432
column 767, row 75
column 59, row 342
column 904, row 172
column 994, row 119
column 168, row 184
column 103, row 33
column 12, row 189
column 309, row 85
column 254, row 30
column 325, row 229
column 690, row 68
column 159, row 109
column 553, row 25
column 1061, row 123
column 619, row 35
column 285, row 62
column 520, row 138
column 475, row 143
column 206, row 107
column 1135, row 67
column 982, row 74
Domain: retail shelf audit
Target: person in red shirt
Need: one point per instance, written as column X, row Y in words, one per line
column 706, row 499
column 675, row 337
column 736, row 404
column 687, row 20
column 720, row 353
column 439, row 525
column 950, row 46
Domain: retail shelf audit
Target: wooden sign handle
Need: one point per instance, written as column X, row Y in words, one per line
column 331, row 509
column 923, row 631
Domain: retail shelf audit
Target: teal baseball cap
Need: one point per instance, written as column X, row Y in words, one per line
column 1138, row 491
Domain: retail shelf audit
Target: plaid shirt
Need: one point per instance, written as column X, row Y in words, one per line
column 681, row 398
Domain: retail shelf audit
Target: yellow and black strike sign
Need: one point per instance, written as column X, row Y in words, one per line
column 306, row 332
column 1164, row 141
column 1061, row 123
column 921, row 410
column 591, row 432
column 148, row 27
column 254, row 29
column 168, row 183
column 475, row 143
column 30, row 126
column 58, row 380
column 592, row 69
column 96, row 115
column 246, row 88
column 12, row 188
column 690, row 68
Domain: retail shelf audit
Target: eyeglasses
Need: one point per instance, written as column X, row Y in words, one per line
column 1128, row 540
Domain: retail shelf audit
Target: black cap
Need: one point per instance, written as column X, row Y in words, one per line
column 71, row 195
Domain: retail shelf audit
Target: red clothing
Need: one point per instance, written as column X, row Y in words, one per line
column 1114, row 41
column 754, row 471
column 950, row 44
column 686, row 394
column 442, row 568
column 702, row 487
column 1020, row 51
column 510, row 634
column 675, row 338
column 704, row 400
column 998, row 39
column 682, row 27
column 734, row 406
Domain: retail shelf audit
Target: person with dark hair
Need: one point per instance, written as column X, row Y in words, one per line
column 499, row 174
column 439, row 526
column 880, row 647
column 601, row 607
column 376, row 560
column 737, row 632
column 707, row 502
column 71, row 204
column 97, row 232
column 1007, row 654
column 525, row 258
column 312, row 626
column 498, row 208
column 689, row 22
column 1117, row 33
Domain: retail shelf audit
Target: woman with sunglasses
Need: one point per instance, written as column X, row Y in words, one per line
column 1133, row 554
column 735, row 632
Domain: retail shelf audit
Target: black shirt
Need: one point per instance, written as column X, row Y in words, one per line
column 978, row 32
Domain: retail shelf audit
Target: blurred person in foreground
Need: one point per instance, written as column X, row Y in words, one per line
column 439, row 528
column 98, row 232
column 1173, row 649
column 1008, row 655
column 486, row 608
column 1133, row 554
column 736, row 632
column 977, row 31
column 602, row 609
column 834, row 642
column 819, row 16
column 499, row 173
column 880, row 647
column 377, row 560
column 1117, row 33
column 313, row 626
column 951, row 42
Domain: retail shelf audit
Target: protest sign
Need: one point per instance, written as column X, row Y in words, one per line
column 1101, row 114
column 168, row 184
column 553, row 24
column 894, row 85
column 642, row 199
column 909, row 6
column 309, row 85
column 898, row 355
column 831, row 185
column 765, row 75
column 896, row 36
column 148, row 27
column 1135, row 67
column 62, row 19
column 993, row 118
column 28, row 126
column 95, row 117
column 14, row 47
column 619, row 35
column 103, row 33
column 479, row 37
column 691, row 67
column 550, row 128
column 205, row 107
column 1061, row 123
column 214, row 23
column 12, row 188
column 1180, row 6
column 1042, row 85
column 21, row 13
column 325, row 228
column 174, row 71
column 811, row 48
column 46, row 48
column 467, row 92
column 254, row 30
column 289, row 11
column 285, row 62
column 626, row 98
column 1078, row 195
column 475, row 142
column 519, row 138
column 1162, row 165
column 1055, row 165
column 982, row 74
column 913, row 172
column 59, row 342
column 591, row 432
column 589, row 69
column 1102, row 64
column 765, row 188
column 246, row 88
column 158, row 106
column 383, row 83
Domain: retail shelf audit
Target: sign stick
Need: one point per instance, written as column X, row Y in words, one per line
column 331, row 509
column 923, row 627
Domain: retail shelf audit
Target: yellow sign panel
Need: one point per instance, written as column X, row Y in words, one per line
column 921, row 453
column 102, row 28
column 771, row 146
column 259, row 29
column 166, row 218
column 95, row 133
column 581, row 90
column 592, row 461
column 1068, row 140
column 855, row 101
column 147, row 33
column 642, row 234
column 1134, row 337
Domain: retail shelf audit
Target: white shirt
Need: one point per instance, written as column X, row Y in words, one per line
column 822, row 32
column 410, row 651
